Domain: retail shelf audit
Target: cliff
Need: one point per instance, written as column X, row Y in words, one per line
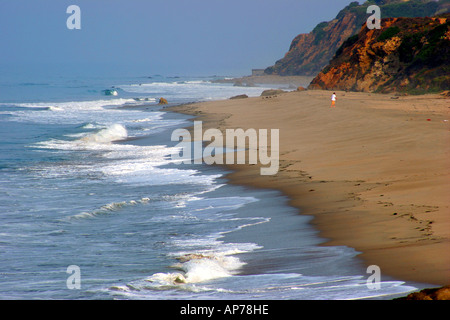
column 310, row 53
column 405, row 55
column 442, row 293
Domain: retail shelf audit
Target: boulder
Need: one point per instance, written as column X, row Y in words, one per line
column 442, row 293
column 241, row 96
column 271, row 92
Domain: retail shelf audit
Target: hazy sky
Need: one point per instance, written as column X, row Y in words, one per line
column 176, row 37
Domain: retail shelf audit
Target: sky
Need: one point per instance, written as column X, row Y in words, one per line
column 170, row 37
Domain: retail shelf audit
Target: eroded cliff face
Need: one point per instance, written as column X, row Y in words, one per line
column 405, row 55
column 310, row 53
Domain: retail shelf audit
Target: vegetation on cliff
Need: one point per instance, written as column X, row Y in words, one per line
column 405, row 55
column 310, row 53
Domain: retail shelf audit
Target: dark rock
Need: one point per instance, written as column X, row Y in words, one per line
column 442, row 293
column 271, row 92
column 241, row 96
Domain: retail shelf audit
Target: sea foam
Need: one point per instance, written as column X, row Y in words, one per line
column 199, row 267
column 113, row 133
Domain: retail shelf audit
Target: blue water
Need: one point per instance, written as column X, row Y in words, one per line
column 87, row 180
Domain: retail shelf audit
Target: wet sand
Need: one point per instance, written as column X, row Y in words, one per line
column 373, row 171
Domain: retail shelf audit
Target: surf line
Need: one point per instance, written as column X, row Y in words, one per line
column 229, row 148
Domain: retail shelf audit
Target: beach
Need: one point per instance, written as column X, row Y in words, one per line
column 115, row 203
column 373, row 171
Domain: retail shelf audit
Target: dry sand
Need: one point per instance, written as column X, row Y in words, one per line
column 374, row 171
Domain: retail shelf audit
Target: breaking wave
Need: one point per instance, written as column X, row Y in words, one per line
column 113, row 133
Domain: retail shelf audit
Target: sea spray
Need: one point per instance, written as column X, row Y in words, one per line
column 113, row 133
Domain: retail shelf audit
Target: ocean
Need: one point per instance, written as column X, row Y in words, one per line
column 93, row 207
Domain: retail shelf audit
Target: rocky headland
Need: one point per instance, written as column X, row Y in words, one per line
column 409, row 55
column 310, row 52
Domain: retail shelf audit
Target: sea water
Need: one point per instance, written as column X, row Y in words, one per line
column 87, row 180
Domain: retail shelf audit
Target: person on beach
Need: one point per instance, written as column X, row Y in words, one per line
column 333, row 100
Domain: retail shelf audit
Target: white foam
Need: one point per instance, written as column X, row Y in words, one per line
column 92, row 126
column 167, row 278
column 113, row 133
column 148, row 175
column 209, row 268
column 89, row 105
column 72, row 112
column 194, row 89
column 197, row 268
column 130, row 164
column 108, row 208
column 215, row 260
column 144, row 120
column 51, row 108
column 100, row 140
column 284, row 286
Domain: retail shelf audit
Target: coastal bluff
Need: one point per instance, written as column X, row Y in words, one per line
column 310, row 52
column 408, row 55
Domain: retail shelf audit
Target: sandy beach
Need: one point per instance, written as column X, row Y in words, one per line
column 373, row 171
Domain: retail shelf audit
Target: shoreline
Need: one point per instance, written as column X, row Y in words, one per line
column 358, row 199
column 286, row 82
